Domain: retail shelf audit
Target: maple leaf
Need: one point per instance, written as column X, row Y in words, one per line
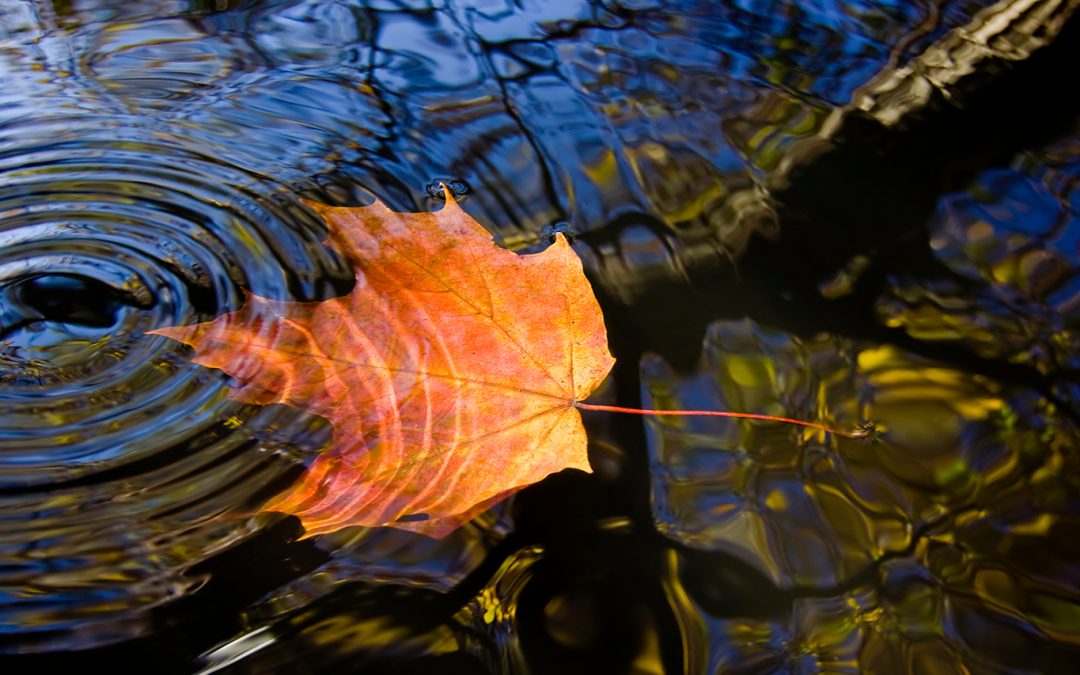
column 451, row 373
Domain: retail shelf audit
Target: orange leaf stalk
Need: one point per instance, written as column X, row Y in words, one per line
column 865, row 431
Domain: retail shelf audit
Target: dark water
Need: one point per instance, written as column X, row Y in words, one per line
column 832, row 210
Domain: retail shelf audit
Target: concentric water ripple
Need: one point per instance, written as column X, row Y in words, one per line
column 118, row 457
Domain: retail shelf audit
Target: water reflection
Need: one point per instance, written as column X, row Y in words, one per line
column 922, row 544
column 151, row 156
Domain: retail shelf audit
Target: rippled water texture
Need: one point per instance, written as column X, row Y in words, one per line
column 834, row 211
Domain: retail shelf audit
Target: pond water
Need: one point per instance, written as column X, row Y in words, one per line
column 838, row 211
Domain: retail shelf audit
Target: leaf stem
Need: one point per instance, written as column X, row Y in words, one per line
column 865, row 431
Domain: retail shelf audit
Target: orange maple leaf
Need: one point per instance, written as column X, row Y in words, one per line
column 451, row 373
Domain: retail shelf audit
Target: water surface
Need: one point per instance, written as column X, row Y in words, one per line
column 802, row 209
